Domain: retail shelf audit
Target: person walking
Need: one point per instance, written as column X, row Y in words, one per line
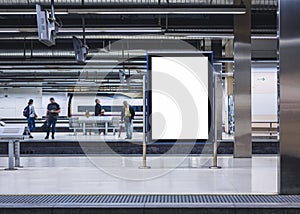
column 53, row 109
column 30, row 115
column 127, row 115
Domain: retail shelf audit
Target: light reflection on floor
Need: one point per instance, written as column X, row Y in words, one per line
column 121, row 175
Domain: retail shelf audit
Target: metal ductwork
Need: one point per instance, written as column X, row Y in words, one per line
column 36, row 74
column 35, row 53
column 136, row 2
column 112, row 2
column 125, row 54
column 118, row 37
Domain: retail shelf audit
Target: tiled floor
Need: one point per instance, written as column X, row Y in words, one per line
column 121, row 175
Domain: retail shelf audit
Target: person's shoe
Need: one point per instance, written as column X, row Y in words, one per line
column 30, row 136
column 53, row 138
column 47, row 137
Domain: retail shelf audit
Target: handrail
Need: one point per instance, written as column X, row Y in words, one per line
column 270, row 127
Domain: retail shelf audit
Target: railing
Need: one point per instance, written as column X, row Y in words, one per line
column 64, row 123
column 265, row 128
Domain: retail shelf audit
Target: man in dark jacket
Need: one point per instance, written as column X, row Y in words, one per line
column 98, row 109
column 127, row 115
column 53, row 109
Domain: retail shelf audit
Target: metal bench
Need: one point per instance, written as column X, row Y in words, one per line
column 74, row 124
column 264, row 128
column 12, row 134
column 93, row 123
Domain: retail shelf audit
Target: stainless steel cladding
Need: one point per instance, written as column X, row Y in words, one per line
column 289, row 96
column 242, row 83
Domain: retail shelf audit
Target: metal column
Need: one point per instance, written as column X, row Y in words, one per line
column 11, row 155
column 144, row 166
column 242, row 82
column 216, row 46
column 289, row 49
column 17, row 154
column 218, row 98
column 217, row 112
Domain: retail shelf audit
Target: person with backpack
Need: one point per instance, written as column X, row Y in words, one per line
column 53, row 109
column 29, row 113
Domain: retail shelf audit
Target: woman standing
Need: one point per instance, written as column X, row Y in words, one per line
column 31, row 117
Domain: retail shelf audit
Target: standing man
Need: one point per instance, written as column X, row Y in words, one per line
column 53, row 109
column 98, row 109
column 127, row 115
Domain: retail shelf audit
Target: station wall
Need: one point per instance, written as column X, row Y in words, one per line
column 264, row 94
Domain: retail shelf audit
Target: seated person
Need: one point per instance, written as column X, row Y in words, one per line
column 102, row 112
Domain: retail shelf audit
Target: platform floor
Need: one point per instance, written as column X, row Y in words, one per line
column 121, row 175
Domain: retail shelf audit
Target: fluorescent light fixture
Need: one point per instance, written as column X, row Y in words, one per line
column 112, row 30
column 114, row 11
column 103, row 61
column 28, row 12
column 17, row 30
column 185, row 11
column 265, row 37
column 9, row 30
column 252, row 61
column 220, row 36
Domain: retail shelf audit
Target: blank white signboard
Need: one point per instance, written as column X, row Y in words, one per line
column 179, row 107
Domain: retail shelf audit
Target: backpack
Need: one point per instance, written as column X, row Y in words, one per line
column 132, row 112
column 26, row 112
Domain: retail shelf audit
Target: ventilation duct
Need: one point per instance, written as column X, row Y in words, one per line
column 65, row 53
column 142, row 2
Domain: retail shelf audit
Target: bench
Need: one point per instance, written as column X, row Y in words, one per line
column 94, row 123
column 264, row 128
column 12, row 134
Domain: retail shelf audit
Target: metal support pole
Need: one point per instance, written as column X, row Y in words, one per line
column 52, row 11
column 17, row 154
column 215, row 149
column 11, row 155
column 83, row 128
column 144, row 128
column 106, row 128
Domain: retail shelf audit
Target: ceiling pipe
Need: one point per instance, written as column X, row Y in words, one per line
column 175, row 35
column 111, row 2
column 69, row 53
column 64, row 74
column 143, row 2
